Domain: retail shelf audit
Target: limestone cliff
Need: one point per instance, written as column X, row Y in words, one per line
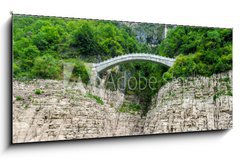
column 197, row 104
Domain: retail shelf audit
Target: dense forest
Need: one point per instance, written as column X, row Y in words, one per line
column 41, row 45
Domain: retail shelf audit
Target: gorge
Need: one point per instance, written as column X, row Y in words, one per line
column 55, row 113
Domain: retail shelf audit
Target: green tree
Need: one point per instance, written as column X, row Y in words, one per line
column 84, row 41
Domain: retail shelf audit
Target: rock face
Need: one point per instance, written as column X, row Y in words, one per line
column 196, row 104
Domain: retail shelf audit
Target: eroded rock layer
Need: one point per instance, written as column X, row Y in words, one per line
column 197, row 104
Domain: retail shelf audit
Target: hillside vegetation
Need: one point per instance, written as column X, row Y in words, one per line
column 41, row 46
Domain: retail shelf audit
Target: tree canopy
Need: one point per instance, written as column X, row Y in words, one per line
column 202, row 51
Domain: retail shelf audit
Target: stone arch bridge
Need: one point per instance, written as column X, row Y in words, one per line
column 99, row 67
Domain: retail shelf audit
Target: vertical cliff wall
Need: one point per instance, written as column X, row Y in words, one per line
column 55, row 113
column 198, row 104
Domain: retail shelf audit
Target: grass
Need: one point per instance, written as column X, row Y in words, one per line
column 96, row 98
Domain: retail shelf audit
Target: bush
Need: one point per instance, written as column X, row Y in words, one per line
column 80, row 70
column 18, row 98
column 38, row 91
column 130, row 108
column 16, row 70
column 46, row 67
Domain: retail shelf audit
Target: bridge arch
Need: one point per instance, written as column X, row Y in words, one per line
column 99, row 67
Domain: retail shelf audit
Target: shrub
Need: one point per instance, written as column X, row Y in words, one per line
column 130, row 108
column 18, row 98
column 80, row 70
column 38, row 91
column 46, row 67
column 16, row 70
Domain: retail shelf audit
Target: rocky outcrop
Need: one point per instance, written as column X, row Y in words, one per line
column 59, row 114
column 197, row 104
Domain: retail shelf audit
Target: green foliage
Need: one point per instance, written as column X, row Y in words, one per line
column 46, row 67
column 38, row 91
column 84, row 40
column 146, row 88
column 37, row 39
column 18, row 98
column 96, row 98
column 221, row 93
column 202, row 51
column 80, row 70
column 48, row 37
column 131, row 108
